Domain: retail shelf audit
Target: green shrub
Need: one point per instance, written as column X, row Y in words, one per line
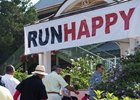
column 109, row 96
column 82, row 70
column 20, row 76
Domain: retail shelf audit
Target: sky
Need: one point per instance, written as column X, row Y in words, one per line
column 34, row 1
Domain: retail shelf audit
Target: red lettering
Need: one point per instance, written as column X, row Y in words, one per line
column 82, row 32
column 109, row 23
column 95, row 26
column 69, row 31
column 126, row 18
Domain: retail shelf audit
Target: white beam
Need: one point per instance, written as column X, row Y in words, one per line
column 132, row 45
column 40, row 59
column 47, row 61
column 124, row 48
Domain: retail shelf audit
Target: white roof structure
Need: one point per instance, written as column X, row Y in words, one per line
column 47, row 3
column 41, row 4
column 53, row 34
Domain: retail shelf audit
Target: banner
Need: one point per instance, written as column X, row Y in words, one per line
column 111, row 23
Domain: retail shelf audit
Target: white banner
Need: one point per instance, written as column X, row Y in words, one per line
column 106, row 24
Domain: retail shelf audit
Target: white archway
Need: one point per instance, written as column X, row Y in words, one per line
column 71, row 5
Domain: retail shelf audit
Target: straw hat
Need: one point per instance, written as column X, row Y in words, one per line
column 40, row 69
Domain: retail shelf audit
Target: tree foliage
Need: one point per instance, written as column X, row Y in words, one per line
column 20, row 75
column 14, row 14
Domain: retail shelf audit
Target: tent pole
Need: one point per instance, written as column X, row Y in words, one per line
column 45, row 59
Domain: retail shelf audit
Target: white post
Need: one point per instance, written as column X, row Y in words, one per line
column 115, row 61
column 132, row 46
column 40, row 59
column 124, row 48
column 138, row 41
column 47, row 61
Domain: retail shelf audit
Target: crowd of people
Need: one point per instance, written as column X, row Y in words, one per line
column 43, row 86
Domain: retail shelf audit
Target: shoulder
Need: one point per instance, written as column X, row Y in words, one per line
column 16, row 80
column 3, row 77
column 53, row 74
column 5, row 94
column 4, row 90
column 36, row 79
column 59, row 76
column 96, row 73
column 94, row 76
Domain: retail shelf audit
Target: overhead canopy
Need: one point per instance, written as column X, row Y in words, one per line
column 47, row 3
column 107, row 24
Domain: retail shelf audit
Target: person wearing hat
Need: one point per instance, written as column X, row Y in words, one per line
column 54, row 82
column 32, row 88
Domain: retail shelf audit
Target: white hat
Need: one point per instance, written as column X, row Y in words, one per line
column 40, row 69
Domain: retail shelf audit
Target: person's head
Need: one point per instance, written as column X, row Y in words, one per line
column 40, row 71
column 57, row 69
column 67, row 78
column 40, row 76
column 10, row 69
column 86, row 95
column 100, row 68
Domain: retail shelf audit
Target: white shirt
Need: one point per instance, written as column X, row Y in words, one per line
column 10, row 83
column 54, row 82
column 5, row 94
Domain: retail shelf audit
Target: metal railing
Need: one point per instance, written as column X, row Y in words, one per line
column 109, row 61
column 69, row 54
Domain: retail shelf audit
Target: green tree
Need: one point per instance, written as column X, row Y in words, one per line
column 14, row 14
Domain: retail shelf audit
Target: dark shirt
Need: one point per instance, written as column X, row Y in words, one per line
column 32, row 88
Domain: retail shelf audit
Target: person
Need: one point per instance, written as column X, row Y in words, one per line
column 54, row 83
column 86, row 97
column 5, row 94
column 95, row 79
column 32, row 88
column 65, row 92
column 9, row 80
